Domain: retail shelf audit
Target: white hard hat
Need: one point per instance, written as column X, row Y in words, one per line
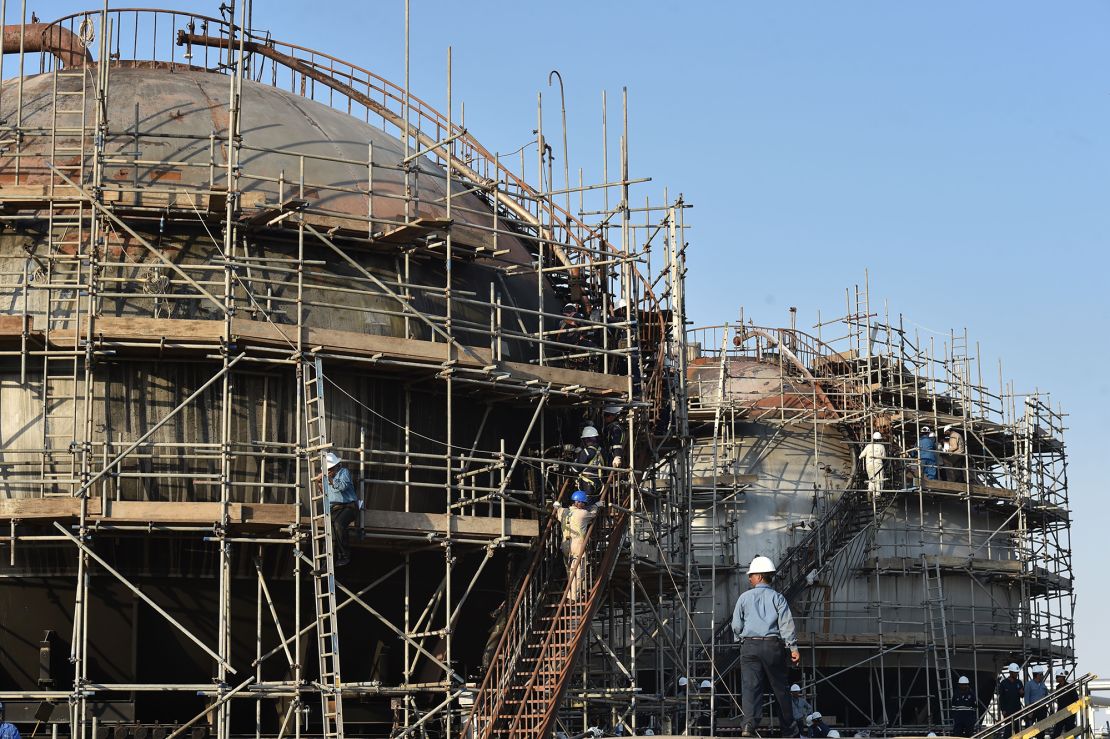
column 877, row 436
column 332, row 459
column 931, row 733
column 649, row 732
column 814, row 716
column 1013, row 667
column 1038, row 669
column 926, row 429
column 963, row 680
column 705, row 685
column 683, row 682
column 589, row 433
column 948, row 427
column 833, row 734
column 1061, row 672
column 761, row 566
column 612, row 409
column 795, row 688
column 620, row 304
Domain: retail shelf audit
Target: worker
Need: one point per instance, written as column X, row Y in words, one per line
column 590, row 457
column 763, row 624
column 954, row 455
column 614, row 435
column 570, row 333
column 927, row 453
column 801, row 709
column 1066, row 698
column 874, row 460
column 1010, row 692
column 1035, row 690
column 340, row 497
column 575, row 522
column 815, row 726
column 7, row 729
column 965, row 710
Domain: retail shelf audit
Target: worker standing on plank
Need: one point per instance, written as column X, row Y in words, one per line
column 965, row 712
column 341, row 500
column 575, row 522
column 927, row 453
column 591, row 458
column 1010, row 692
column 763, row 624
column 874, row 461
column 954, row 453
column 801, row 708
column 1036, row 689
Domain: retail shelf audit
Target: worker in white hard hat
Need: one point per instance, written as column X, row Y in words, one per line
column 590, row 457
column 1010, row 691
column 926, row 452
column 965, row 708
column 1036, row 689
column 801, row 708
column 814, row 726
column 1066, row 700
column 955, row 454
column 342, row 503
column 7, row 729
column 613, row 436
column 874, row 463
column 763, row 624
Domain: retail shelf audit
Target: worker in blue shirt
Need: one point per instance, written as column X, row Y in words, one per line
column 763, row 624
column 927, row 452
column 7, row 730
column 339, row 491
column 1036, row 689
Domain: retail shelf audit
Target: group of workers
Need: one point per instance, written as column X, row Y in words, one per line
column 1013, row 694
column 584, row 328
column 877, row 457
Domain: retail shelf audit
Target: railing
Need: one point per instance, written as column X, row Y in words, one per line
column 1035, row 719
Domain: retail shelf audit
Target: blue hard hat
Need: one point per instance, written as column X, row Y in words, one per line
column 580, row 496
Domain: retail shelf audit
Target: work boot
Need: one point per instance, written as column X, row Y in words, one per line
column 747, row 730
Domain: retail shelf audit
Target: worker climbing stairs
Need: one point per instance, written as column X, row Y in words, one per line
column 547, row 627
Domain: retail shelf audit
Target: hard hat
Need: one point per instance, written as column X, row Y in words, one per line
column 332, row 459
column 705, row 685
column 926, row 429
column 612, row 409
column 877, row 436
column 963, row 680
column 1061, row 672
column 761, row 566
column 1013, row 667
column 580, row 496
column 620, row 304
column 931, row 733
column 833, row 734
column 589, row 433
column 683, row 682
column 795, row 688
column 570, row 308
column 814, row 716
column 1038, row 669
column 649, row 732
column 948, row 427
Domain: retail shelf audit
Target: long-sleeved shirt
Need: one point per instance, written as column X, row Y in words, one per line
column 873, row 456
column 576, row 524
column 339, row 488
column 1009, row 695
column 927, row 445
column 590, row 457
column 763, row 611
column 614, row 441
column 954, row 443
column 8, row 730
column 1034, row 691
column 801, row 707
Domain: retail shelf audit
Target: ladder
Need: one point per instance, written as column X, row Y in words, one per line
column 938, row 636
column 323, row 563
column 60, row 275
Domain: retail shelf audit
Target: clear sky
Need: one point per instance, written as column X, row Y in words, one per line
column 956, row 151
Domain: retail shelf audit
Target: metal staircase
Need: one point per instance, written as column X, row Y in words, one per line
column 938, row 636
column 546, row 630
column 323, row 563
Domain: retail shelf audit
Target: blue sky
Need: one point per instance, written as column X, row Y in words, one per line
column 956, row 151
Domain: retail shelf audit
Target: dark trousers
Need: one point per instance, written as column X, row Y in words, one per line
column 762, row 664
column 963, row 722
column 342, row 514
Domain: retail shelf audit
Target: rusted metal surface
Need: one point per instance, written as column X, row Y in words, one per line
column 65, row 45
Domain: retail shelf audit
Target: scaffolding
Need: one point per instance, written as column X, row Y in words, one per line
column 193, row 318
column 936, row 569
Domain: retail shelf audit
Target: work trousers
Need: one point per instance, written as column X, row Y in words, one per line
column 342, row 514
column 963, row 722
column 875, row 477
column 574, row 554
column 763, row 664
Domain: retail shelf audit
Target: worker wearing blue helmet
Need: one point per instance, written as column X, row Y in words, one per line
column 575, row 522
